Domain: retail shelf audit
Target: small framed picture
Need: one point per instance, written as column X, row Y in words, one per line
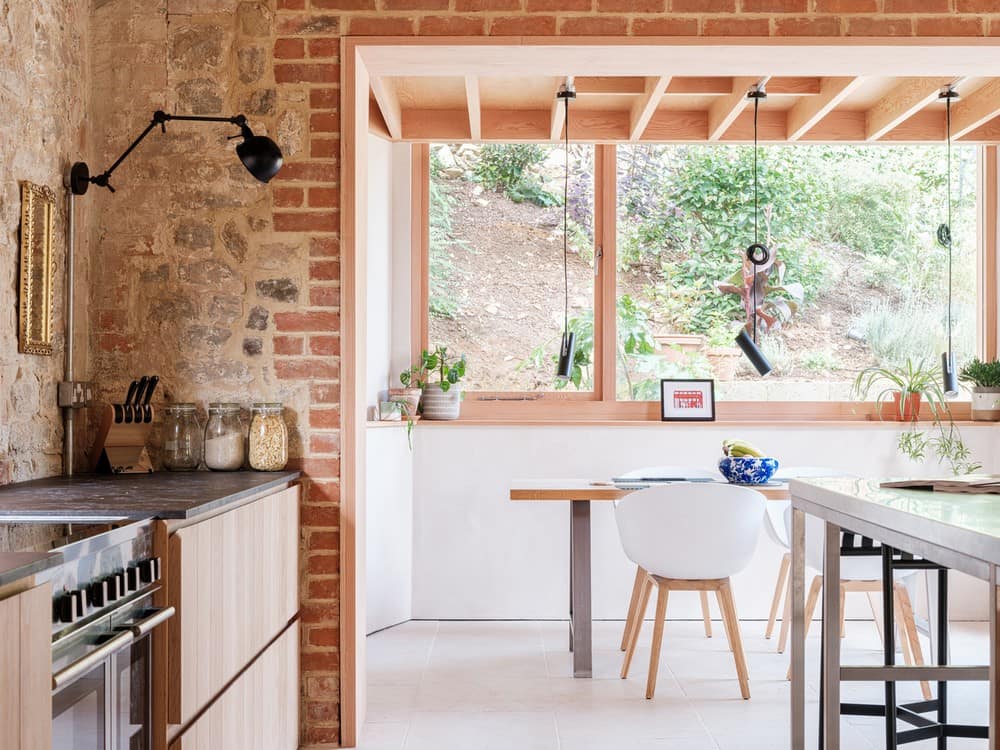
column 687, row 400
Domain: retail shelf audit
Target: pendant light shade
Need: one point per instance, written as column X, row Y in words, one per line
column 567, row 347
column 949, row 377
column 757, row 254
column 260, row 155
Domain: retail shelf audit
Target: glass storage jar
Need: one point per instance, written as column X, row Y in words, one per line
column 224, row 437
column 268, row 438
column 181, row 438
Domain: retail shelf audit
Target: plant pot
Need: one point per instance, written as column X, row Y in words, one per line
column 408, row 396
column 724, row 360
column 441, row 405
column 905, row 409
column 676, row 346
column 986, row 404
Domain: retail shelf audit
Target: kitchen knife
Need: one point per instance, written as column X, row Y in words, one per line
column 128, row 400
column 147, row 410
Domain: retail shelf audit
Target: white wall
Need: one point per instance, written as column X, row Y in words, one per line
column 379, row 289
column 479, row 555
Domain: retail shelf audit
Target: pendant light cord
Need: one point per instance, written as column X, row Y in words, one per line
column 948, row 120
column 756, row 211
column 566, row 219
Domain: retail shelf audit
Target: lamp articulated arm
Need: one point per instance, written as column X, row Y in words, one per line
column 259, row 154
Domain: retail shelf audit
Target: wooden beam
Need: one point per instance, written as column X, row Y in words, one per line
column 613, row 85
column 807, row 112
column 388, row 103
column 475, row 109
column 723, row 112
column 909, row 96
column 700, row 85
column 644, row 108
column 976, row 109
column 376, row 125
column 556, row 114
column 795, row 85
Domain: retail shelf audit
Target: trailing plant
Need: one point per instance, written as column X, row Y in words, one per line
column 981, row 374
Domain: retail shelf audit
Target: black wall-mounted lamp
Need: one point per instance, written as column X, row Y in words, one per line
column 259, row 154
column 567, row 345
column 949, row 374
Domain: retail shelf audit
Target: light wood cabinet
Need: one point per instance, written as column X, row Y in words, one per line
column 26, row 670
column 259, row 711
column 234, row 583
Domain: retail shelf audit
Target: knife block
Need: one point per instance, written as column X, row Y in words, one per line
column 120, row 447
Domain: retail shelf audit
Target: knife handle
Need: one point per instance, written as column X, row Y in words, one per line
column 147, row 410
column 127, row 407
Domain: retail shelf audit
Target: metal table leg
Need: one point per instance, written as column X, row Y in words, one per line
column 831, row 640
column 994, row 661
column 798, row 686
column 579, row 581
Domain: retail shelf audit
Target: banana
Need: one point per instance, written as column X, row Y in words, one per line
column 740, row 448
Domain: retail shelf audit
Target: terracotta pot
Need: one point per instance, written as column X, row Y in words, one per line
column 724, row 361
column 986, row 404
column 409, row 396
column 905, row 409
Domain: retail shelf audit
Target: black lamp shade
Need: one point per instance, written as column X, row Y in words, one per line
column 753, row 352
column 948, row 375
column 566, row 350
column 260, row 155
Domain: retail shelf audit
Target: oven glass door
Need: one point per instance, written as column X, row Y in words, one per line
column 132, row 697
column 79, row 712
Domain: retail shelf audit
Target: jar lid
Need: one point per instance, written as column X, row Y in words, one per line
column 267, row 405
column 182, row 407
column 223, row 406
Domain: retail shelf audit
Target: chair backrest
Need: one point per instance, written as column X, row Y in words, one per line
column 814, row 526
column 688, row 472
column 691, row 531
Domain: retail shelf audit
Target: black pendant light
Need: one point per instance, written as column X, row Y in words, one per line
column 568, row 344
column 757, row 254
column 948, row 374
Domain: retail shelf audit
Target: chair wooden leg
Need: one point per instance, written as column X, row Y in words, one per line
column 647, row 587
column 876, row 613
column 633, row 603
column 786, row 618
column 728, row 607
column 654, row 654
column 705, row 614
column 910, row 634
column 843, row 609
column 814, row 589
column 779, row 588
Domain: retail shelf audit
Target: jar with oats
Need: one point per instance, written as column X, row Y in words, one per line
column 268, row 437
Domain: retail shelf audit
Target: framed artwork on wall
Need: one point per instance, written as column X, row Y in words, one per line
column 38, row 207
column 687, row 400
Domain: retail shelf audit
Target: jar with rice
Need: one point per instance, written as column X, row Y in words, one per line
column 224, row 447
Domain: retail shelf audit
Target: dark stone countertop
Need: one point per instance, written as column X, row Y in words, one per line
column 167, row 495
column 17, row 565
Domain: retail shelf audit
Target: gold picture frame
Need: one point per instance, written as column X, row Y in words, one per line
column 38, row 208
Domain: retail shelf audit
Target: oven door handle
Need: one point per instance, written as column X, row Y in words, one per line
column 159, row 616
column 84, row 664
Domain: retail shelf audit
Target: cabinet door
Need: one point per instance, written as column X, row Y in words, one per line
column 26, row 670
column 234, row 582
column 259, row 711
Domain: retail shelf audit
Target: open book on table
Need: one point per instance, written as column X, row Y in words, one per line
column 971, row 483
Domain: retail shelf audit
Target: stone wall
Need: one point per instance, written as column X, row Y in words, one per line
column 43, row 71
column 228, row 289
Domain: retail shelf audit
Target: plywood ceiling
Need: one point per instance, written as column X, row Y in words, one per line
column 684, row 91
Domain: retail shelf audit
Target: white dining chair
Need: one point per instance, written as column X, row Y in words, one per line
column 660, row 472
column 689, row 538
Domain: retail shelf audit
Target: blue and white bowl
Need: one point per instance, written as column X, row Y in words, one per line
column 748, row 469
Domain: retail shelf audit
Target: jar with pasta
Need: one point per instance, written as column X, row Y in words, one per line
column 268, row 438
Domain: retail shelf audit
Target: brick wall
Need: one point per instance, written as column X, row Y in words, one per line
column 231, row 290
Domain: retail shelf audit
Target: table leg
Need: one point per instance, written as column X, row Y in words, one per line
column 580, row 617
column 797, row 598
column 831, row 641
column 572, row 558
column 994, row 660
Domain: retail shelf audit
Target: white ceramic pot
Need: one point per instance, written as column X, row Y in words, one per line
column 986, row 404
column 441, row 405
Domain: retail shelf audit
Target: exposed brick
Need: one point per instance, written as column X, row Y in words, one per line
column 665, row 26
column 774, row 6
column 321, row 467
column 310, row 23
column 320, row 735
column 324, row 540
column 324, row 442
column 304, row 369
column 977, row 6
column 327, row 587
column 290, row 49
column 324, row 98
column 289, row 345
column 593, row 26
column 950, row 26
column 328, row 493
column 324, row 270
column 319, row 516
column 113, row 342
column 324, row 393
column 325, row 346
column 828, row 26
column 285, row 197
column 111, row 320
column 324, row 637
column 324, row 148
column 523, row 26
column 291, row 4
column 466, row 6
column 846, row 6
column 452, row 25
column 543, row 6
column 414, row 4
column 324, row 197
column 736, row 27
column 631, row 6
column 324, row 122
column 307, row 221
column 865, row 26
column 307, row 73
column 322, row 687
column 307, row 321
column 917, row 6
column 344, row 4
column 324, row 247
column 324, row 419
column 703, row 6
column 319, row 661
column 324, row 296
column 381, row 26
column 309, row 171
column 324, row 47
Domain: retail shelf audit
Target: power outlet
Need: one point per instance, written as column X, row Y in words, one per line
column 76, row 395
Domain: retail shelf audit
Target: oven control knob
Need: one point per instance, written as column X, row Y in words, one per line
column 114, row 583
column 149, row 570
column 71, row 606
column 99, row 593
column 80, row 599
column 132, row 578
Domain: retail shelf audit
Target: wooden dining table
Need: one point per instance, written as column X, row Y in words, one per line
column 579, row 493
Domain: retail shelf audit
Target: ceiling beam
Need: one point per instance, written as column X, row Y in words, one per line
column 556, row 113
column 474, row 106
column 976, row 109
column 724, row 112
column 610, row 85
column 644, row 108
column 907, row 97
column 808, row 111
column 388, row 103
column 795, row 85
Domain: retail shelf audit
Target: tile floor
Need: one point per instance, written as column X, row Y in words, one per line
column 493, row 685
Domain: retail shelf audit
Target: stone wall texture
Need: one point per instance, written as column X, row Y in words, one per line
column 230, row 290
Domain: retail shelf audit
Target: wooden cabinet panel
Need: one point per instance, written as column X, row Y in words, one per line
column 259, row 711
column 234, row 582
column 26, row 670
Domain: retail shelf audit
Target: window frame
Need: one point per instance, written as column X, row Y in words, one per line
column 601, row 405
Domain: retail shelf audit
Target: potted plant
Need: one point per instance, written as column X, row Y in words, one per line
column 437, row 375
column 722, row 353
column 984, row 378
column 909, row 386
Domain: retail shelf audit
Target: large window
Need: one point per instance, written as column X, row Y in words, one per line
column 656, row 275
